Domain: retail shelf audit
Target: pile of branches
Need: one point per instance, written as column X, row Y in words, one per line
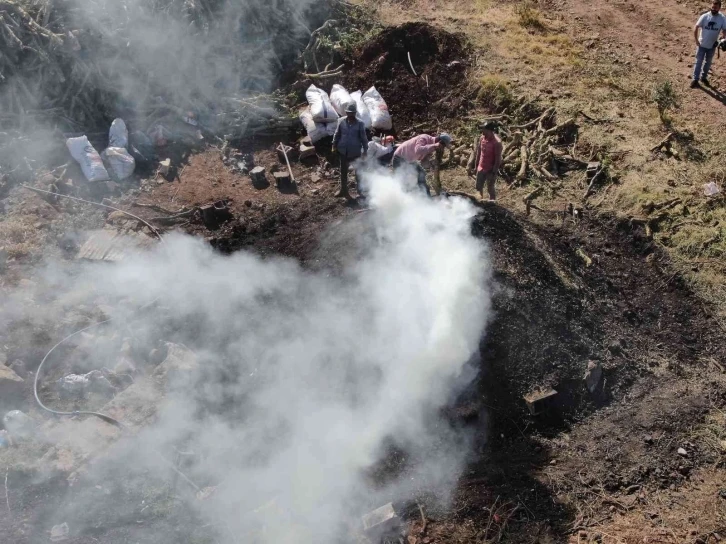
column 540, row 148
column 39, row 76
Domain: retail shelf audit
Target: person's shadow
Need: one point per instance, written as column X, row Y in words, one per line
column 715, row 93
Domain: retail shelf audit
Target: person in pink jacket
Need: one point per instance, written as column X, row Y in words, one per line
column 418, row 150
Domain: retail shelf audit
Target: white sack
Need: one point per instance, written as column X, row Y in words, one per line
column 89, row 159
column 316, row 131
column 120, row 162
column 380, row 118
column 362, row 114
column 118, row 134
column 320, row 105
column 340, row 98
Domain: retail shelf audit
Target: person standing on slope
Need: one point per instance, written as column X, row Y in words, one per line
column 487, row 159
column 710, row 24
column 350, row 142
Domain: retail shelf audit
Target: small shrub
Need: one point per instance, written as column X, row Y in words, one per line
column 529, row 16
column 665, row 98
column 494, row 93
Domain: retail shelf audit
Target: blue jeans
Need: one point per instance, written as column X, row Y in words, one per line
column 703, row 53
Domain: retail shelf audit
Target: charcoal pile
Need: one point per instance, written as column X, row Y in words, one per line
column 420, row 70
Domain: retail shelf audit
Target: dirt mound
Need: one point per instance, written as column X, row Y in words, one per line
column 439, row 58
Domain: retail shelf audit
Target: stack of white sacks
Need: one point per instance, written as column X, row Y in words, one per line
column 320, row 119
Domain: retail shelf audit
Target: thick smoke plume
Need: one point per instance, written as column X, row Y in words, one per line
column 307, row 380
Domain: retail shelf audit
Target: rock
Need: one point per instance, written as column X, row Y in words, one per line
column 315, row 178
column 682, row 452
column 381, row 522
column 59, row 533
column 593, row 376
column 648, row 439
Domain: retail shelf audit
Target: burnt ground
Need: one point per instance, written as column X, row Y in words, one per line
column 553, row 314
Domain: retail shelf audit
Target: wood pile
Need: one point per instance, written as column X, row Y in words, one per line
column 540, row 148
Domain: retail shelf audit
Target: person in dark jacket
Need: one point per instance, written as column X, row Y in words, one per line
column 350, row 142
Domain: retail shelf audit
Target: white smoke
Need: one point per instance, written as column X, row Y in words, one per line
column 309, row 379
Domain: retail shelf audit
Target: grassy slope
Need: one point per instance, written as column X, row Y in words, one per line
column 540, row 52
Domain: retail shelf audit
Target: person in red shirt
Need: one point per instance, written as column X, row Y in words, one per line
column 488, row 159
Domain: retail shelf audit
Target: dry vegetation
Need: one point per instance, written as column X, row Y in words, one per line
column 527, row 50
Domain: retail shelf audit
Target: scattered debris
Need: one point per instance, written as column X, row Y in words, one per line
column 381, row 523
column 59, row 533
column 79, row 384
column 539, row 401
column 711, row 189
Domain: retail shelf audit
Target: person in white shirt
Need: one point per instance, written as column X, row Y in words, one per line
column 710, row 25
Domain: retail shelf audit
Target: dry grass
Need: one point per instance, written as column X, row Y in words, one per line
column 495, row 92
column 529, row 16
column 20, row 237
